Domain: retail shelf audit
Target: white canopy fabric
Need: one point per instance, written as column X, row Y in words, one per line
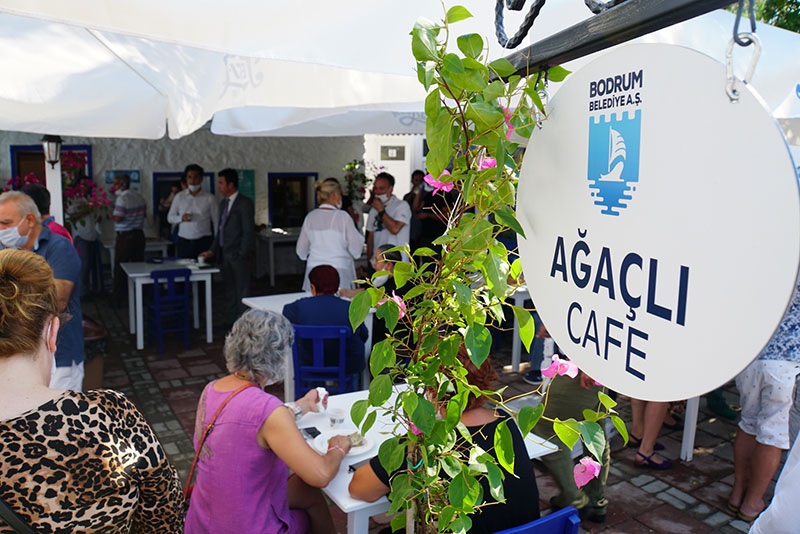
column 143, row 68
column 130, row 68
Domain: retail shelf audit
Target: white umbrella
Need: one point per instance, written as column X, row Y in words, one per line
column 125, row 68
column 130, row 68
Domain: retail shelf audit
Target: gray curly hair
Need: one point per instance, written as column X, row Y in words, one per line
column 258, row 345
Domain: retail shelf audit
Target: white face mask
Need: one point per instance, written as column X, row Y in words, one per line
column 339, row 205
column 383, row 197
column 11, row 238
column 194, row 188
column 378, row 281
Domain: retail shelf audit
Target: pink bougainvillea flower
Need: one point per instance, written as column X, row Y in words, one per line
column 488, row 163
column 439, row 185
column 561, row 367
column 400, row 304
column 585, row 470
column 507, row 118
column 415, row 430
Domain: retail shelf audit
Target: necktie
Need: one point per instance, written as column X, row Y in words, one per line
column 222, row 223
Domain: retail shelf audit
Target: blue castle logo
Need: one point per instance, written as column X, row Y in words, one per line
column 614, row 160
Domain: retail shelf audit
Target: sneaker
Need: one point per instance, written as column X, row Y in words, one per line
column 533, row 378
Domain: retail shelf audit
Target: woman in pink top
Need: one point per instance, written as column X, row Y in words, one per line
column 243, row 483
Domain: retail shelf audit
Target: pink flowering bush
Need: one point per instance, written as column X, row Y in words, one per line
column 437, row 184
column 487, row 163
column 586, row 470
column 83, row 198
column 16, row 183
column 561, row 367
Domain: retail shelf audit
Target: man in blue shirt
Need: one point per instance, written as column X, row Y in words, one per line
column 20, row 228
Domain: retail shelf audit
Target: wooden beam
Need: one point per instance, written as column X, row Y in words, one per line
column 619, row 24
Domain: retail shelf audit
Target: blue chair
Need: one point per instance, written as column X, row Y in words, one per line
column 315, row 369
column 169, row 310
column 565, row 521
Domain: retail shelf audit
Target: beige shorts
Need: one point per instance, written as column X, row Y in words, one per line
column 765, row 393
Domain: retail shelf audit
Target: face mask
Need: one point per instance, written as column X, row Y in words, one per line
column 11, row 238
column 339, row 205
column 380, row 280
column 383, row 198
column 194, row 188
column 428, row 188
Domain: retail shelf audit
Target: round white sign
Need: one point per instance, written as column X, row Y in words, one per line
column 662, row 222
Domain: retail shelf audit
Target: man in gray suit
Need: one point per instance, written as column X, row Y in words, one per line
column 233, row 243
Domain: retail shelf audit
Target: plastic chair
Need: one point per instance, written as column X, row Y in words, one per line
column 319, row 372
column 169, row 311
column 565, row 521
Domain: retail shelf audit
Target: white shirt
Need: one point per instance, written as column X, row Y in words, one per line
column 204, row 210
column 85, row 227
column 329, row 237
column 399, row 210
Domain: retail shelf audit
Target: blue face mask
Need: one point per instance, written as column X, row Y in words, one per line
column 11, row 238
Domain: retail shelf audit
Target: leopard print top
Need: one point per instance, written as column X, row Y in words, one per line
column 88, row 462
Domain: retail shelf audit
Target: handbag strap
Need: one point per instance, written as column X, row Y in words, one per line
column 13, row 520
column 206, row 431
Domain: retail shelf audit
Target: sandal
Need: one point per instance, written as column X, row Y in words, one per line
column 647, row 461
column 733, row 508
column 747, row 518
column 635, row 442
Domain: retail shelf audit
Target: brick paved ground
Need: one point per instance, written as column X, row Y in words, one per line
column 690, row 498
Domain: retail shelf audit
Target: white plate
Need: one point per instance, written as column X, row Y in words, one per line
column 320, row 443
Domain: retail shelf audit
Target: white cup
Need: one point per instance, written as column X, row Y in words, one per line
column 336, row 416
column 201, row 260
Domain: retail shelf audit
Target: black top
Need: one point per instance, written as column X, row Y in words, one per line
column 521, row 493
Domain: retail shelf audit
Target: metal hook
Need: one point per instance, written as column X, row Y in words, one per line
column 751, row 11
column 730, row 88
column 544, row 96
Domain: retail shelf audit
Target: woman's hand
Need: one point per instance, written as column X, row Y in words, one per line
column 309, row 401
column 343, row 442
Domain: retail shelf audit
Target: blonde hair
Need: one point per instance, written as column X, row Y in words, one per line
column 27, row 301
column 325, row 188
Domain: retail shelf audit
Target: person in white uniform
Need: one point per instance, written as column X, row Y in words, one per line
column 329, row 237
column 389, row 217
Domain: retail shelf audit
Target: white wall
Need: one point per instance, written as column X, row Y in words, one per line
column 323, row 155
column 401, row 170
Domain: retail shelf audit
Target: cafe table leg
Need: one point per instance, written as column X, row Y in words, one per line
column 358, row 521
column 196, row 305
column 209, row 329
column 689, row 428
column 139, row 314
column 131, row 305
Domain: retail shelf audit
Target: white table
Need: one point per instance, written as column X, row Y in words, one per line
column 139, row 275
column 358, row 511
column 150, row 245
column 275, row 303
column 277, row 235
